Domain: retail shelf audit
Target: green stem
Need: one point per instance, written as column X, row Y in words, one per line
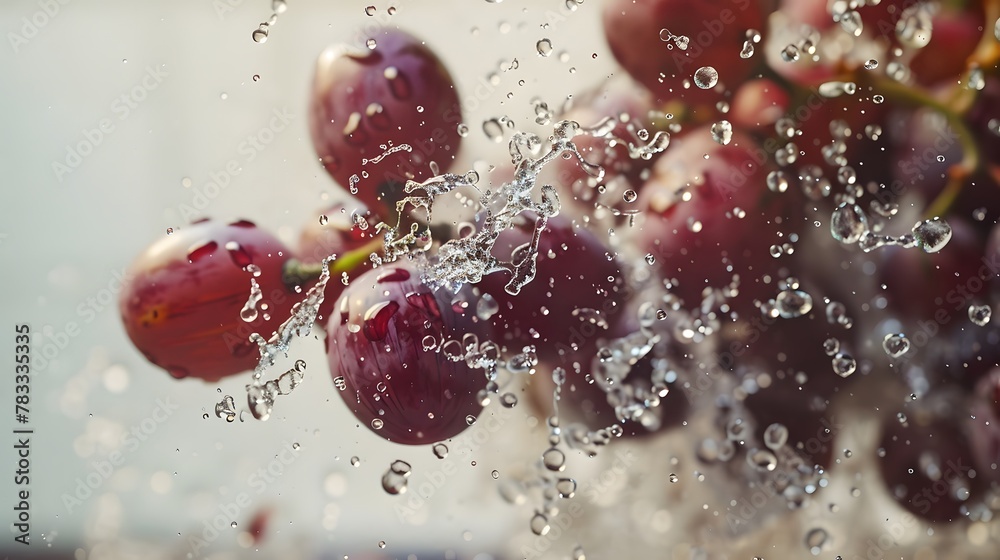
column 298, row 273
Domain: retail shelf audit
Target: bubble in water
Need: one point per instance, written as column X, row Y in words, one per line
column 674, row 478
column 871, row 64
column 747, row 50
column 339, row 382
column 355, row 461
column 844, row 364
column 279, row 6
column 980, row 314
column 544, row 47
column 793, row 303
column 370, row 10
column 377, row 424
column 371, row 44
column 775, row 436
column 722, row 132
column 508, row 400
column 650, row 258
column 706, row 77
column 895, row 344
column 540, row 524
column 440, row 450
column 851, row 23
column 932, row 235
column 630, row 196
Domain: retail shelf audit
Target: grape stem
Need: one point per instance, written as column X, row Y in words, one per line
column 298, row 273
column 957, row 173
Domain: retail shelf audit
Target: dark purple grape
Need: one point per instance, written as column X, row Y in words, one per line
column 396, row 348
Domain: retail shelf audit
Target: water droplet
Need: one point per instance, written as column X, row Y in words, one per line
column 790, row 53
column 793, row 303
column 377, row 424
column 831, row 346
column 508, row 400
column 540, row 524
column 706, row 77
column 371, row 44
column 381, row 544
column 544, row 47
column 980, row 314
column 674, row 478
column 775, row 436
column 747, row 50
column 493, row 130
column 370, row 11
column 440, row 450
column 871, row 64
column 836, row 89
column 895, row 344
column 816, row 541
column 844, row 364
column 777, row 181
column 394, row 480
column 355, row 461
column 566, row 488
column 463, row 130
column 260, row 34
column 650, row 258
column 762, row 460
column 848, row 223
column 722, row 132
column 932, row 235
column 554, row 459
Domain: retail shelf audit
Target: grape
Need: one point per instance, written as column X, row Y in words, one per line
column 713, row 33
column 811, row 430
column 709, row 218
column 926, row 466
column 336, row 232
column 615, row 100
column 363, row 103
column 576, row 277
column 398, row 347
column 758, row 104
column 955, row 36
column 984, row 425
column 182, row 307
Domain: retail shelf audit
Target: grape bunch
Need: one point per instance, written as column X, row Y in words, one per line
column 772, row 210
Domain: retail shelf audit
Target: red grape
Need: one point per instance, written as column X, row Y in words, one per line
column 182, row 307
column 388, row 343
column 926, row 465
column 715, row 31
column 708, row 218
column 575, row 274
column 365, row 102
column 336, row 232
